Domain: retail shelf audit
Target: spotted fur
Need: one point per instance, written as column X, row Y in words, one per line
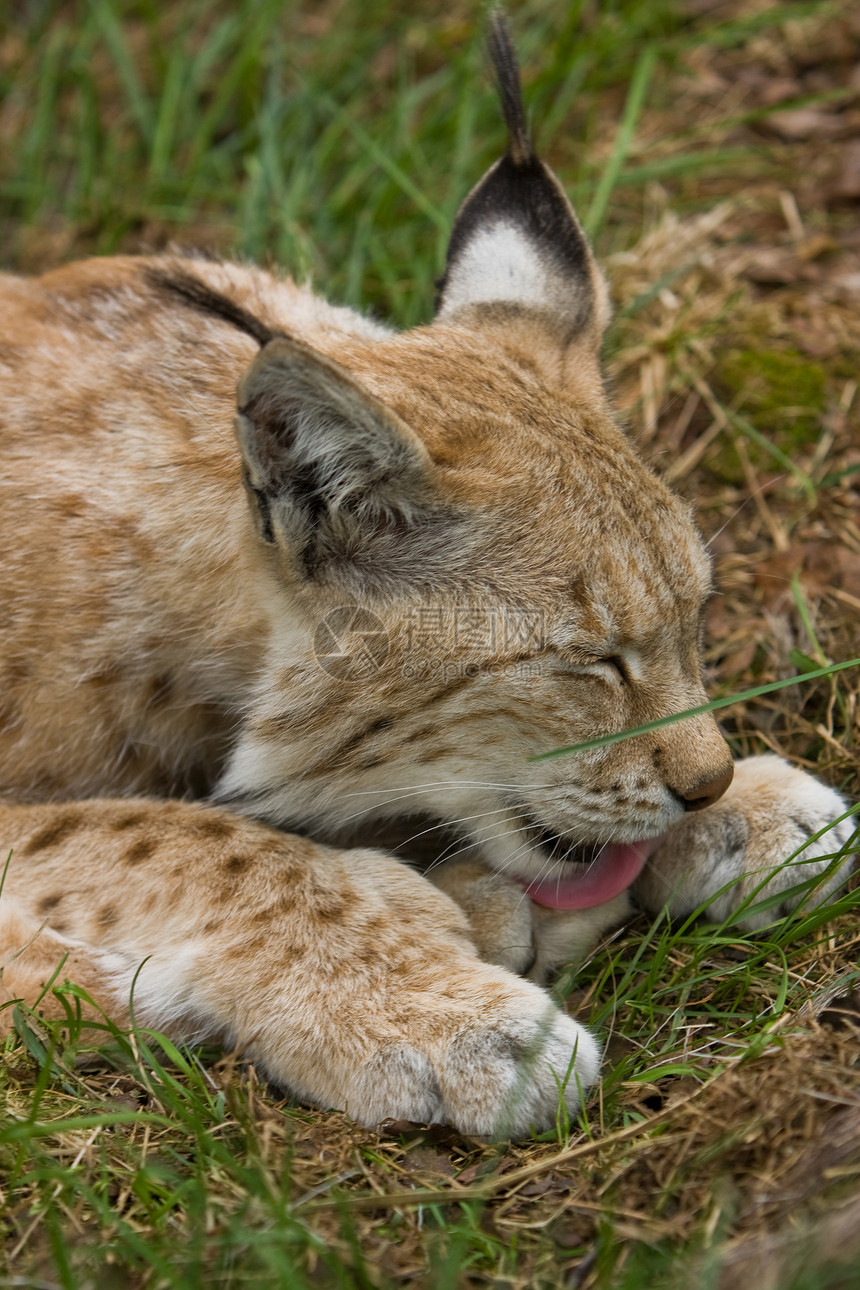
column 263, row 551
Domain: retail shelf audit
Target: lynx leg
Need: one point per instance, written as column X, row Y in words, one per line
column 30, row 956
column 348, row 977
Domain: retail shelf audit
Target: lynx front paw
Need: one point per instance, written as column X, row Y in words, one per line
column 759, row 841
column 499, row 914
column 496, row 1078
column 509, row 929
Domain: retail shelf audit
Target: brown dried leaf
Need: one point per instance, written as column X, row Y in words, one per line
column 776, row 266
column 846, row 185
column 806, row 123
column 427, row 1161
column 549, row 1184
column 822, row 566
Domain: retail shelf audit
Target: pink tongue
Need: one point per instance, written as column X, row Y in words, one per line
column 614, row 869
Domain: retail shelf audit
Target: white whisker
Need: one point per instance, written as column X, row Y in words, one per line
column 476, row 841
column 450, row 824
column 451, row 783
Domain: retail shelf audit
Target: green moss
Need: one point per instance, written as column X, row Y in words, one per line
column 780, row 392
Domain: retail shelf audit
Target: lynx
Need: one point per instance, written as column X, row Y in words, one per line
column 236, row 660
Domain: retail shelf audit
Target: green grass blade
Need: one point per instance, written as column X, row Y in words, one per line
column 632, row 110
column 386, row 163
column 750, row 432
column 115, row 38
column 603, row 741
column 167, row 121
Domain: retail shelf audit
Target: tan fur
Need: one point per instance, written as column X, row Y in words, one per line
column 159, row 638
column 350, row 978
column 133, row 492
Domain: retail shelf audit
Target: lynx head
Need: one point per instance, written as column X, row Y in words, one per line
column 472, row 566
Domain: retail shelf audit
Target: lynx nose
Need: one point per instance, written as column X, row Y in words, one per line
column 707, row 792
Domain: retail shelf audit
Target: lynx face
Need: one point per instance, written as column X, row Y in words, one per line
column 555, row 593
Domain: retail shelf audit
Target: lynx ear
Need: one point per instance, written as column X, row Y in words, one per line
column 516, row 240
column 331, row 471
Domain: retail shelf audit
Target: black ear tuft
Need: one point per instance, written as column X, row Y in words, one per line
column 516, row 240
column 507, row 69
